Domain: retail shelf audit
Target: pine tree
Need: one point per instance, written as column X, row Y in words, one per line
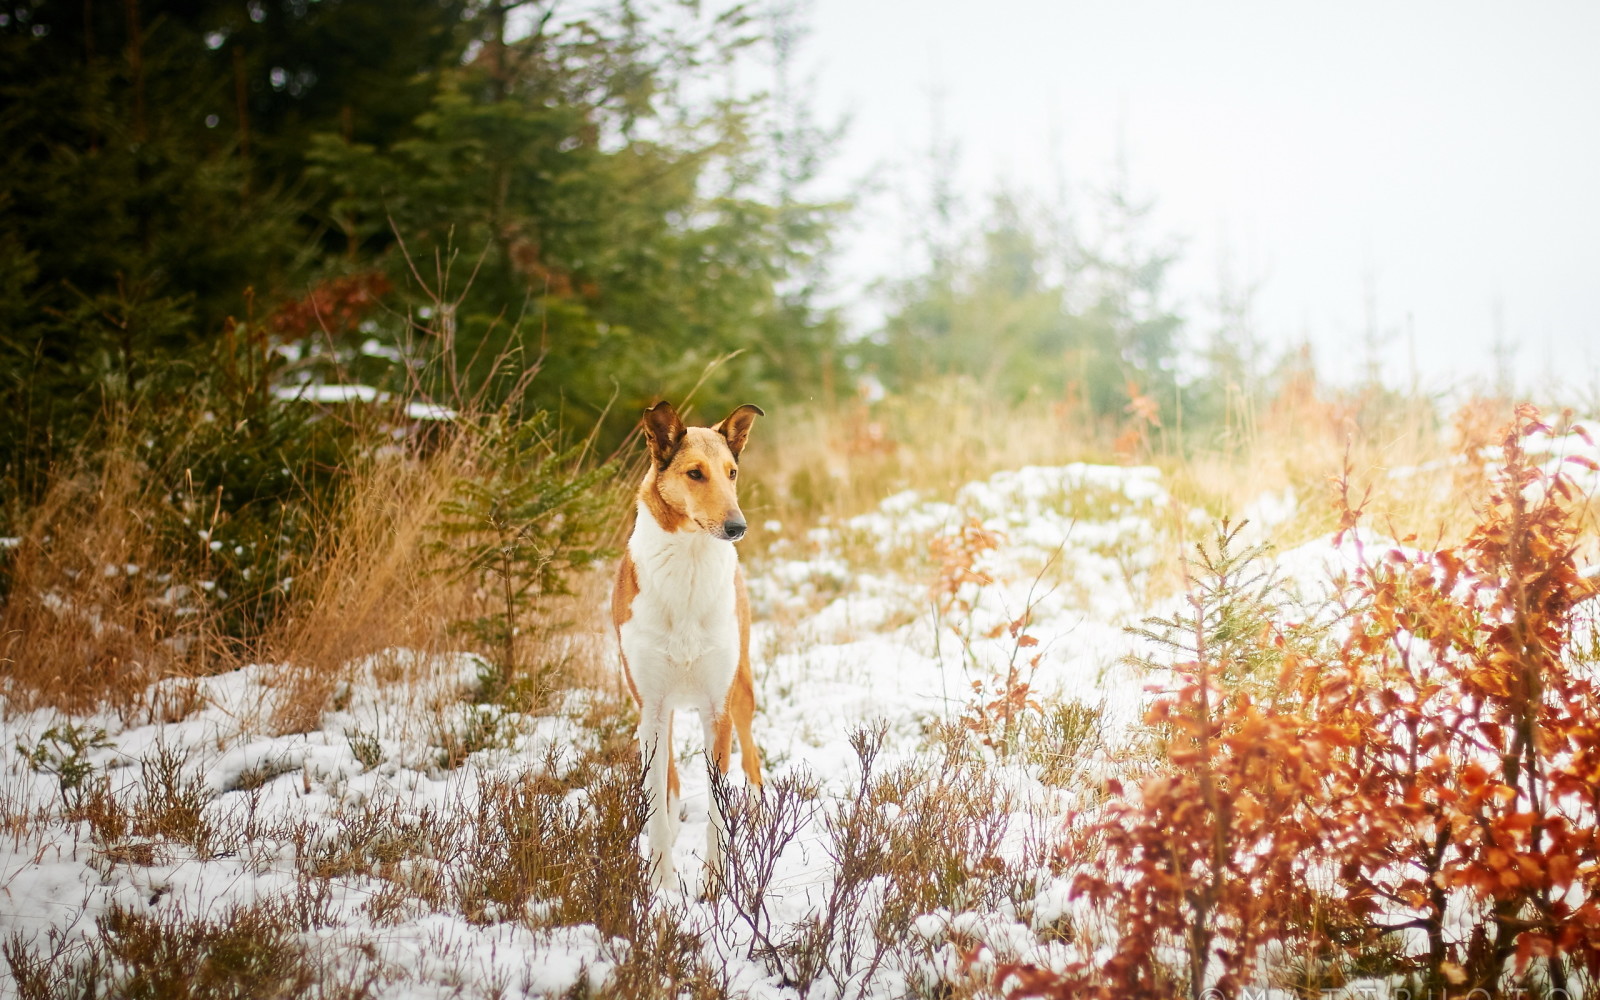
column 518, row 528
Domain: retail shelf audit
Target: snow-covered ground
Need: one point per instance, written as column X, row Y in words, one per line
column 851, row 631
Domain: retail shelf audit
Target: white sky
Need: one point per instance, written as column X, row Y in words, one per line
column 1449, row 149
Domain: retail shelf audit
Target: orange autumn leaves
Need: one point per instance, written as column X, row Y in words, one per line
column 1413, row 797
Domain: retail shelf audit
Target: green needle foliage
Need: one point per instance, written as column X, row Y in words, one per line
column 170, row 172
column 210, row 210
column 64, row 752
column 517, row 530
column 1232, row 605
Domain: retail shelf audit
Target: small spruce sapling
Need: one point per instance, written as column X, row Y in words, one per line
column 1202, row 866
column 64, row 752
column 1233, row 602
column 517, row 527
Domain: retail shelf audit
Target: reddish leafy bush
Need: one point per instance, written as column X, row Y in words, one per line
column 1416, row 802
column 336, row 306
column 1474, row 786
column 1208, row 858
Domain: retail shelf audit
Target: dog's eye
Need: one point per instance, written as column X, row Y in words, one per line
column 696, row 474
column 733, row 473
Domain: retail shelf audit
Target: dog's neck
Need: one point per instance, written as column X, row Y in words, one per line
column 652, row 504
column 682, row 562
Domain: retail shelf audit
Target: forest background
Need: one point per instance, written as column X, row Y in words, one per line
column 210, row 212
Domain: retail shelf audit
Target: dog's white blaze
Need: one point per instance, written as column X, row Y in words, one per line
column 682, row 641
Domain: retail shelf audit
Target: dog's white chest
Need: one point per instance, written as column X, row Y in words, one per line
column 684, row 613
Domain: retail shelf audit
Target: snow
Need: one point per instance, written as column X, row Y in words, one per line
column 350, row 393
column 847, row 633
column 312, row 393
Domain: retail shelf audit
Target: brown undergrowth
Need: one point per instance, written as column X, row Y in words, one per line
column 99, row 605
column 831, row 463
column 1458, row 730
column 91, row 613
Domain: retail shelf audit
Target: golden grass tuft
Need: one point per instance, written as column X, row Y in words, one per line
column 80, row 626
column 372, row 585
column 816, row 463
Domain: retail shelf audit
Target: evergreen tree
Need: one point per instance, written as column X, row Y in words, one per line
column 1131, row 333
column 149, row 173
column 1024, row 313
column 173, row 173
column 615, row 232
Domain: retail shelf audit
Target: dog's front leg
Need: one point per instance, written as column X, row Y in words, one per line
column 655, row 748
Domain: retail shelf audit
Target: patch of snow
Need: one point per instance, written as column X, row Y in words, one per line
column 848, row 632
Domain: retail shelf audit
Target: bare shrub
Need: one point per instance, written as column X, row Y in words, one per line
column 758, row 825
column 171, row 802
column 858, row 845
column 65, row 969
column 917, row 839
column 576, row 858
column 663, row 959
column 1062, row 738
column 248, row 953
column 540, row 852
column 375, row 839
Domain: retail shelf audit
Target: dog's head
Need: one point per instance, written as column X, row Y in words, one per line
column 696, row 470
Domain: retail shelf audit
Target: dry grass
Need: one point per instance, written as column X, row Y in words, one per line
column 83, row 623
column 252, row 952
column 94, row 614
column 77, row 630
column 372, row 586
column 376, row 584
column 1301, row 439
column 807, row 464
column 813, row 464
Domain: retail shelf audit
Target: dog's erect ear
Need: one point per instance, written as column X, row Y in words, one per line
column 664, row 432
column 736, row 428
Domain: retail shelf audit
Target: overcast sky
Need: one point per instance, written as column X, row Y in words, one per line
column 1449, row 150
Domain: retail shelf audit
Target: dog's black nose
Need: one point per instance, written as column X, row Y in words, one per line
column 734, row 529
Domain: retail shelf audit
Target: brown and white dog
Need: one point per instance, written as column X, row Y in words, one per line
column 682, row 616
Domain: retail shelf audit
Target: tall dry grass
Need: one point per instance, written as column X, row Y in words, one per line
column 86, row 620
column 377, row 586
column 372, row 584
column 814, row 463
column 96, row 608
column 78, row 629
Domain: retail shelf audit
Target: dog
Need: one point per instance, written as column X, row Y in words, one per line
column 682, row 616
